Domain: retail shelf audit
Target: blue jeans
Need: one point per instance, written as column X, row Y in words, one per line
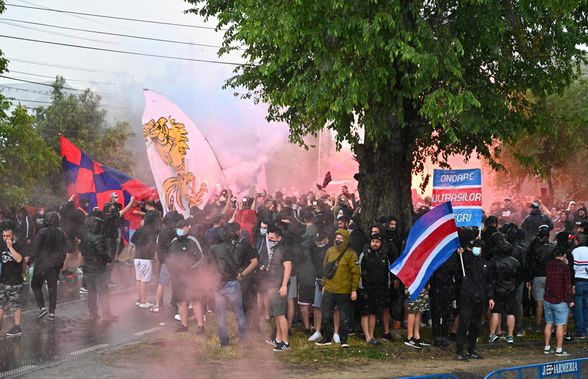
column 581, row 308
column 229, row 293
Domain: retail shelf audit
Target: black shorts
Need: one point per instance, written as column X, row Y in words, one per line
column 305, row 294
column 372, row 301
column 506, row 304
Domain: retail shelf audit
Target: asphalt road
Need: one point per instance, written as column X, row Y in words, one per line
column 71, row 335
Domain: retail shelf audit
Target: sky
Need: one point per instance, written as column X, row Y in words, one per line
column 236, row 128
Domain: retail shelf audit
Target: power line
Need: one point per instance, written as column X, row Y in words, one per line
column 50, row 102
column 80, row 17
column 66, row 79
column 10, row 88
column 6, row 22
column 39, row 83
column 155, row 22
column 30, row 101
column 76, row 68
column 120, row 51
column 111, row 34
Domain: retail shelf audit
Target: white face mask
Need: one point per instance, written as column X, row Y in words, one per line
column 262, row 231
column 476, row 251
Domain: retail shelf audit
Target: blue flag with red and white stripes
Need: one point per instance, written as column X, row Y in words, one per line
column 431, row 241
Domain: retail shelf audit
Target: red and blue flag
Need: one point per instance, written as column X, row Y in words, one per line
column 95, row 182
column 431, row 241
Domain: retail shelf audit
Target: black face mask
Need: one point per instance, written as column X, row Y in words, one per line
column 338, row 243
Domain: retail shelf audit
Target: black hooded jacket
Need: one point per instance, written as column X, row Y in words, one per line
column 374, row 266
column 503, row 270
column 474, row 286
column 49, row 246
column 533, row 221
column 93, row 250
column 540, row 252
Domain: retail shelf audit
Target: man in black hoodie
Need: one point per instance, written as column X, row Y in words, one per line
column 95, row 261
column 48, row 255
column 186, row 264
column 534, row 221
column 473, row 297
column 503, row 273
column 228, row 258
column 375, row 280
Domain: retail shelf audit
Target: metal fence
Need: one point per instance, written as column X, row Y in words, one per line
column 572, row 368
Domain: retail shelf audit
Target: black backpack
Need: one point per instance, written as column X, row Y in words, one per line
column 506, row 273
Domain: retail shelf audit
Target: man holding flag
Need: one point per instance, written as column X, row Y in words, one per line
column 431, row 241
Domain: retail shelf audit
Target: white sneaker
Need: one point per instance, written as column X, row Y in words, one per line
column 146, row 305
column 336, row 338
column 177, row 317
column 315, row 336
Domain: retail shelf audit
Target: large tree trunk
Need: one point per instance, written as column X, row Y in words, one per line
column 385, row 176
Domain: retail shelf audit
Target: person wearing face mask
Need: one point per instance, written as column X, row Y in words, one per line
column 278, row 277
column 185, row 262
column 39, row 219
column 263, row 256
column 227, row 259
column 340, row 282
column 502, row 274
column 473, row 297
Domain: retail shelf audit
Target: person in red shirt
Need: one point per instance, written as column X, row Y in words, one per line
column 558, row 300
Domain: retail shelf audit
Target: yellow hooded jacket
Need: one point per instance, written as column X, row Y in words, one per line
column 346, row 278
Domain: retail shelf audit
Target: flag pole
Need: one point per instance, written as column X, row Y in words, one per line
column 216, row 157
column 462, row 266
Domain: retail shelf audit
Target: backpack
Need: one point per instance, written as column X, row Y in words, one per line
column 506, row 273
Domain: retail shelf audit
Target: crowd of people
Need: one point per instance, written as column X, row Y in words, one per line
column 278, row 261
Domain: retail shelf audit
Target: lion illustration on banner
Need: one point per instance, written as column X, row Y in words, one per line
column 171, row 143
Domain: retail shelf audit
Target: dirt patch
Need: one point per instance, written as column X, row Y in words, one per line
column 168, row 354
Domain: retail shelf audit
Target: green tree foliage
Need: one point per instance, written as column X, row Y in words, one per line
column 80, row 118
column 24, row 157
column 420, row 78
column 556, row 150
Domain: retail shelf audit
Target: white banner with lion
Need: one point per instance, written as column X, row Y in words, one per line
column 184, row 166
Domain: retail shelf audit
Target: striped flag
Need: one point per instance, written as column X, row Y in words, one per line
column 431, row 241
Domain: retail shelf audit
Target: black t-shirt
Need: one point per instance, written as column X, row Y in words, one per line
column 280, row 254
column 164, row 240
column 144, row 241
column 231, row 257
column 11, row 272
